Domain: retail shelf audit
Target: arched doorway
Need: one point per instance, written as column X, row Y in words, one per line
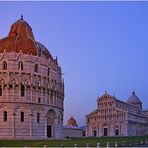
column 51, row 116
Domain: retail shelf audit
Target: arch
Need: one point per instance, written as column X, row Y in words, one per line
column 3, row 81
column 22, row 120
column 51, row 116
column 22, row 107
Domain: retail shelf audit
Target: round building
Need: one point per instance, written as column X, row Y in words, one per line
column 31, row 87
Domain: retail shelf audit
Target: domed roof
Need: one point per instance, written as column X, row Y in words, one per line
column 21, row 38
column 71, row 122
column 133, row 99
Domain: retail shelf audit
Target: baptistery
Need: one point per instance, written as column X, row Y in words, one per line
column 31, row 87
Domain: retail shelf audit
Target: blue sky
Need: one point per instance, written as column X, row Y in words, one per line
column 100, row 46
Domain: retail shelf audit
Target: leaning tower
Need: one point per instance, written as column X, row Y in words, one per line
column 31, row 87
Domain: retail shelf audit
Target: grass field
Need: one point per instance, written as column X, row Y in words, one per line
column 122, row 141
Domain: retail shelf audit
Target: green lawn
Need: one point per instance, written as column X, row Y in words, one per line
column 122, row 141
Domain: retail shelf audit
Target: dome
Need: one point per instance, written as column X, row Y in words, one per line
column 41, row 49
column 133, row 99
column 21, row 32
column 72, row 122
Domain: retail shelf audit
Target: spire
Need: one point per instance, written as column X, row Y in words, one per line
column 22, row 17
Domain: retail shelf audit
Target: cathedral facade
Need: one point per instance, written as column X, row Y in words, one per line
column 31, row 87
column 114, row 117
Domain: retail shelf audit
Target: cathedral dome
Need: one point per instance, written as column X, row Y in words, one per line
column 21, row 32
column 133, row 99
column 72, row 122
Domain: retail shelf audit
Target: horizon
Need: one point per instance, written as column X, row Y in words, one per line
column 100, row 46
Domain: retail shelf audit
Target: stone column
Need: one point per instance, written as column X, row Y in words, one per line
column 41, row 95
column 36, row 93
column 7, row 91
column 13, row 91
column 25, row 86
column 31, row 91
column 45, row 126
column 31, row 125
column 13, row 128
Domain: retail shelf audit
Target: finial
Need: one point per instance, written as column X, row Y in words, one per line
column 133, row 93
column 22, row 17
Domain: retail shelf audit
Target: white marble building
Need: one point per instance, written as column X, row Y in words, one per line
column 114, row 117
column 31, row 87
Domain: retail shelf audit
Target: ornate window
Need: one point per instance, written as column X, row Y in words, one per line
column 38, row 117
column 36, row 68
column 4, row 65
column 22, row 90
column 20, row 65
column 5, row 116
column 22, row 116
column 1, row 92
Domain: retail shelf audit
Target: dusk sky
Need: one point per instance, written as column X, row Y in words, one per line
column 100, row 46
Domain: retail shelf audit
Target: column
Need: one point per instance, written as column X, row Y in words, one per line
column 7, row 91
column 25, row 87
column 41, row 95
column 45, row 126
column 13, row 92
column 13, row 128
column 31, row 91
column 31, row 125
column 36, row 93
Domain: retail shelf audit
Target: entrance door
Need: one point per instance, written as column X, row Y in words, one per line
column 48, row 131
column 116, row 132
column 95, row 133
column 105, row 131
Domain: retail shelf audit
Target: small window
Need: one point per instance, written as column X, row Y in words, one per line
column 22, row 116
column 5, row 116
column 20, row 65
column 39, row 100
column 38, row 117
column 36, row 68
column 1, row 92
column 22, row 90
column 48, row 71
column 4, row 65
